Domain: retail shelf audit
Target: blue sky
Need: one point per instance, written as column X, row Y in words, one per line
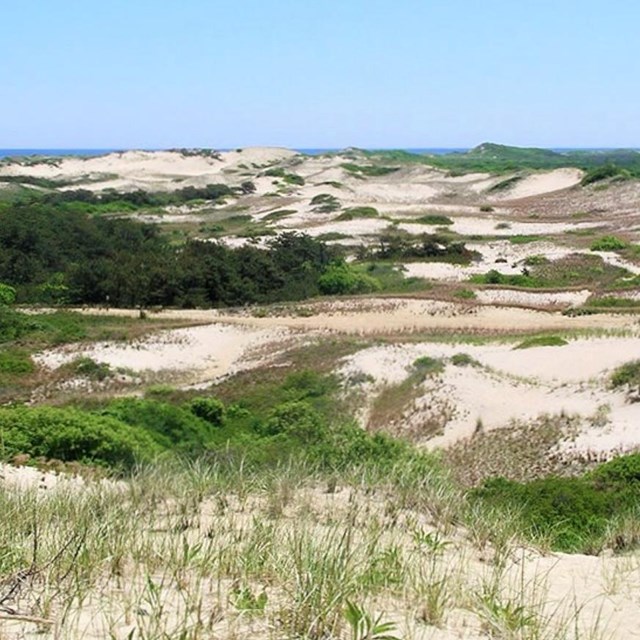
column 319, row 73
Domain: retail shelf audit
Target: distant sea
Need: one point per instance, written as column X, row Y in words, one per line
column 7, row 153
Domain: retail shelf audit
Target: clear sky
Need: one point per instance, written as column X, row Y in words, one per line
column 319, row 73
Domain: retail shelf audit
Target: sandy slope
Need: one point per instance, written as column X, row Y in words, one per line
column 508, row 385
column 544, row 182
column 153, row 170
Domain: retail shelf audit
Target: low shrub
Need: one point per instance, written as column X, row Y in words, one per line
column 72, row 435
column 341, row 279
column 358, row 212
column 542, row 341
column 626, row 375
column 574, row 514
column 608, row 243
column 435, row 219
column 209, row 409
column 170, row 426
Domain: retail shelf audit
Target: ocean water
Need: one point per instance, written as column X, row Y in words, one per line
column 8, row 153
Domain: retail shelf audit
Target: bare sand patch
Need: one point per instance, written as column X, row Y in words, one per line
column 204, row 352
column 150, row 170
column 540, row 183
column 504, row 387
column 540, row 299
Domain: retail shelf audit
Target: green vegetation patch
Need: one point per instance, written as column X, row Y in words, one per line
column 572, row 270
column 503, row 185
column 287, row 177
column 582, row 514
column 434, row 219
column 542, row 341
column 369, row 170
column 325, row 203
column 358, row 212
column 341, row 279
column 626, row 375
column 608, row 243
column 72, row 435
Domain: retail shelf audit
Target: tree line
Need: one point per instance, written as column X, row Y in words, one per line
column 53, row 255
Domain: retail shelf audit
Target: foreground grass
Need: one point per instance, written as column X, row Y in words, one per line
column 209, row 549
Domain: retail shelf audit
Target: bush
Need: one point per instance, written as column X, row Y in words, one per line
column 426, row 365
column 622, row 470
column 209, row 409
column 626, row 375
column 15, row 362
column 72, row 435
column 170, row 426
column 341, row 279
column 542, row 341
column 608, row 243
column 574, row 513
column 297, row 420
column 7, row 294
column 464, row 360
column 91, row 369
column 358, row 212
column 435, row 219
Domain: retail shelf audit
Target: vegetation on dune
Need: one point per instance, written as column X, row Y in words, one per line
column 627, row 376
column 358, row 212
column 368, row 170
column 496, row 158
column 395, row 245
column 572, row 270
column 341, row 279
column 54, row 256
column 325, row 203
column 286, row 176
column 434, row 219
column 542, row 341
column 608, row 243
column 581, row 514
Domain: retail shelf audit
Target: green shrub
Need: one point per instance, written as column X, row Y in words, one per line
column 368, row 169
column 297, row 420
column 435, row 220
column 465, row 294
column 89, row 368
column 464, row 360
column 7, row 295
column 542, row 341
column 426, row 365
column 358, row 212
column 536, row 260
column 341, row 279
column 622, row 470
column 72, row 435
column 210, row 409
column 604, row 172
column 325, row 203
column 171, row 427
column 574, row 513
column 626, row 375
column 608, row 243
column 15, row 362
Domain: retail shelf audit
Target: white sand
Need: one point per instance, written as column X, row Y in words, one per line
column 207, row 352
column 512, row 385
column 540, row 183
column 151, row 170
column 533, row 298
